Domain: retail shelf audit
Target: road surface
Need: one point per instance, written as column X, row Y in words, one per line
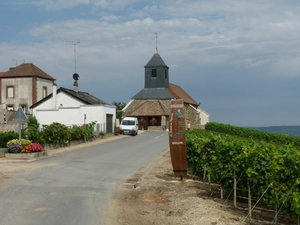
column 75, row 187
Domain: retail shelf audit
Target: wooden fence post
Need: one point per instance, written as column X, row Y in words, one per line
column 249, row 200
column 234, row 190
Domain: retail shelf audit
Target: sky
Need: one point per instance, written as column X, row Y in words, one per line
column 239, row 59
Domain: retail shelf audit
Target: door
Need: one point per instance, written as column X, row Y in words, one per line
column 109, row 123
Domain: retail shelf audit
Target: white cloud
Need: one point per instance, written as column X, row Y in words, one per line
column 201, row 41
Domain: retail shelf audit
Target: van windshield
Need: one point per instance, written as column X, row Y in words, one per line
column 127, row 122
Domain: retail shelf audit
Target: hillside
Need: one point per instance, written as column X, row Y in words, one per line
column 287, row 130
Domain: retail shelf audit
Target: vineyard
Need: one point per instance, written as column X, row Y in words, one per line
column 254, row 165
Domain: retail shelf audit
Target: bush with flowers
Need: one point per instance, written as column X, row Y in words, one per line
column 23, row 146
column 35, row 147
column 17, row 145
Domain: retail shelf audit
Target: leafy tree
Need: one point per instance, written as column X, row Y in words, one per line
column 119, row 107
column 32, row 130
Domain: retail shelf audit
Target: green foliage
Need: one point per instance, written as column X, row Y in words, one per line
column 280, row 139
column 81, row 132
column 32, row 130
column 76, row 132
column 56, row 133
column 263, row 164
column 7, row 136
column 119, row 107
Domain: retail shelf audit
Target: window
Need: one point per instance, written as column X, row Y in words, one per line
column 10, row 92
column 24, row 108
column 44, row 92
column 153, row 73
column 10, row 107
column 166, row 74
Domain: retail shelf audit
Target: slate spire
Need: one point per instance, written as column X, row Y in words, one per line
column 156, row 73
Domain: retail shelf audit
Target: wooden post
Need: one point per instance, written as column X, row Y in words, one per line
column 177, row 138
column 222, row 193
column 234, row 190
column 249, row 200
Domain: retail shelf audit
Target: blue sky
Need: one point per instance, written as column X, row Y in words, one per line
column 239, row 59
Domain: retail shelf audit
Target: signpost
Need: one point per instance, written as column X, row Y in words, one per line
column 21, row 117
column 177, row 138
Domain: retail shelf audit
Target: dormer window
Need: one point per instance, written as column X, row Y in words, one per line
column 153, row 73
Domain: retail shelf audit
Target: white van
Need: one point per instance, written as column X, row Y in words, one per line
column 129, row 125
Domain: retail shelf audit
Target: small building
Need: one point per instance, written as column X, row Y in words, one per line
column 152, row 104
column 23, row 86
column 73, row 107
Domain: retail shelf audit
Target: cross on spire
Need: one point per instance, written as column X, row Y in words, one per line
column 156, row 42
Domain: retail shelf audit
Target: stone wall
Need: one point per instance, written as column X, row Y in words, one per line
column 192, row 115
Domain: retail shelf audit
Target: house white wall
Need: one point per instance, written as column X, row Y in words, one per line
column 62, row 100
column 75, row 115
column 205, row 117
column 70, row 111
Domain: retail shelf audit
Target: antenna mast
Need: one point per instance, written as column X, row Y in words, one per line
column 16, row 60
column 75, row 43
column 156, row 41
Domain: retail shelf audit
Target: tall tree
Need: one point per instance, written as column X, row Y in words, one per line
column 119, row 107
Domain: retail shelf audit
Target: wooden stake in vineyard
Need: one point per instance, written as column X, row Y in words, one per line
column 177, row 138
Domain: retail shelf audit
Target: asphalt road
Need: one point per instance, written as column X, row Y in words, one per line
column 74, row 188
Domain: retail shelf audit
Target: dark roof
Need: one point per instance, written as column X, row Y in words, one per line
column 155, row 61
column 84, row 97
column 27, row 70
column 154, row 93
column 173, row 92
column 179, row 93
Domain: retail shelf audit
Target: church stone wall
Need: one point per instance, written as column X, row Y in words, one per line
column 192, row 115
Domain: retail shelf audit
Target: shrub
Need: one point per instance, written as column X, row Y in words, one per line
column 56, row 133
column 32, row 130
column 7, row 136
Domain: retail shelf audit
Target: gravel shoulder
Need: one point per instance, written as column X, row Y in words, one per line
column 160, row 198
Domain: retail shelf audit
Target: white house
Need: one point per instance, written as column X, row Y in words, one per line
column 205, row 117
column 73, row 107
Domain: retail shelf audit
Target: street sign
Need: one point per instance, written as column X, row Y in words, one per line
column 177, row 138
column 20, row 115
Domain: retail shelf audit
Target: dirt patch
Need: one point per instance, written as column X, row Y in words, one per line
column 160, row 198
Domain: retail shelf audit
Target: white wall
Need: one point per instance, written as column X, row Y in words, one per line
column 205, row 117
column 75, row 115
column 70, row 111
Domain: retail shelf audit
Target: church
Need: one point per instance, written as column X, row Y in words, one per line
column 152, row 104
